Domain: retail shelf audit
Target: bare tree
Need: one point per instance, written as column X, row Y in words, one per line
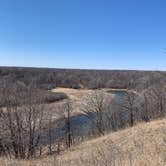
column 130, row 105
column 156, row 96
column 68, row 124
column 50, row 133
column 145, row 110
column 96, row 108
column 158, row 93
column 22, row 122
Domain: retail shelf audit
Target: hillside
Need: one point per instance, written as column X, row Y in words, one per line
column 144, row 144
column 47, row 115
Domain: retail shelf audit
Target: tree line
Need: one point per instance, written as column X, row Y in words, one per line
column 93, row 79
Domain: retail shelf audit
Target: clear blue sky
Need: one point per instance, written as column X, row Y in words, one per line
column 108, row 34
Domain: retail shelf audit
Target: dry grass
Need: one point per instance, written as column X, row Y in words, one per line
column 77, row 94
column 143, row 145
column 74, row 94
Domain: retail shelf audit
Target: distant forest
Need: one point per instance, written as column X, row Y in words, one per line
column 47, row 78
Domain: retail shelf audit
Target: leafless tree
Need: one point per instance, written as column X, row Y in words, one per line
column 130, row 106
column 146, row 111
column 22, row 122
column 157, row 101
column 50, row 133
column 68, row 124
column 96, row 108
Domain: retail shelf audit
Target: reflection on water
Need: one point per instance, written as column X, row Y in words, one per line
column 116, row 93
column 82, row 124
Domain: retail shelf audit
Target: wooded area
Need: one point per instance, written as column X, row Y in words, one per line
column 28, row 127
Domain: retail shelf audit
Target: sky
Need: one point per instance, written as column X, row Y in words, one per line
column 93, row 34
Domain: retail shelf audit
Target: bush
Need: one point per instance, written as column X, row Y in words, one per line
column 51, row 97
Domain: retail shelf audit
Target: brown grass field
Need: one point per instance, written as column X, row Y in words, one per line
column 73, row 94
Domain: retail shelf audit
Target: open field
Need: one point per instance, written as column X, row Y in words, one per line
column 142, row 145
column 74, row 94
column 78, row 94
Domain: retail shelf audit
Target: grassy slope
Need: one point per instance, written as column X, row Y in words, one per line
column 142, row 145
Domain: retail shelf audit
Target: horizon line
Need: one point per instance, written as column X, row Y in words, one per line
column 70, row 68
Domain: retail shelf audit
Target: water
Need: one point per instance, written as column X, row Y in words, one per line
column 82, row 124
column 120, row 93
